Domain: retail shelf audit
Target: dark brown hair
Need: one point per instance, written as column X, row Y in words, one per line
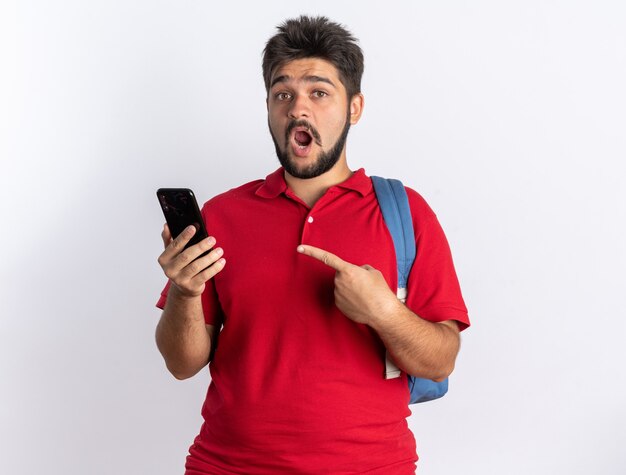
column 315, row 37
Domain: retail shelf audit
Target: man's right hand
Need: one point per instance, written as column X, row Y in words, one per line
column 186, row 272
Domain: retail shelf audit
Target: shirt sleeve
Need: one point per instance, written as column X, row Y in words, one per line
column 434, row 292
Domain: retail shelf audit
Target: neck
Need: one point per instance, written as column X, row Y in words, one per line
column 312, row 189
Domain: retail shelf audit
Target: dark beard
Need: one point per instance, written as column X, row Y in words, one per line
column 325, row 160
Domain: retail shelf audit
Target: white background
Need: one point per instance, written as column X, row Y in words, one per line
column 508, row 117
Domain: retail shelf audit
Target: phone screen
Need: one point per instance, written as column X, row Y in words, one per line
column 180, row 209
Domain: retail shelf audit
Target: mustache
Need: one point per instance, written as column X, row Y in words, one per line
column 304, row 123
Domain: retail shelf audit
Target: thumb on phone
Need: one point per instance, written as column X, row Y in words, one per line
column 166, row 235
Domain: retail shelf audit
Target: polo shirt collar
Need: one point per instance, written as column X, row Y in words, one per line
column 358, row 182
column 275, row 184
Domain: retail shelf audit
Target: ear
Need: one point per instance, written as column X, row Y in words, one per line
column 356, row 107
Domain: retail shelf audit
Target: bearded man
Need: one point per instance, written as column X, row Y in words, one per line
column 292, row 307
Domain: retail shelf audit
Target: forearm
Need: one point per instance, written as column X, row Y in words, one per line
column 182, row 336
column 417, row 346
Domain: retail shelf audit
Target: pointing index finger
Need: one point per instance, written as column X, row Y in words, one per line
column 326, row 257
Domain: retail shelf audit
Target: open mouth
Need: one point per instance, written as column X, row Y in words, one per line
column 303, row 138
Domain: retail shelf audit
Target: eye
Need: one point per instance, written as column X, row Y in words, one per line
column 282, row 96
column 320, row 94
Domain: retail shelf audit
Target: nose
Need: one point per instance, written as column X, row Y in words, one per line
column 299, row 107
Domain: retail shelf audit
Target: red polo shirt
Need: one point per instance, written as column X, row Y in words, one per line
column 296, row 386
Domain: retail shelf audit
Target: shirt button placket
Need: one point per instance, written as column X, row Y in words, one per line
column 306, row 230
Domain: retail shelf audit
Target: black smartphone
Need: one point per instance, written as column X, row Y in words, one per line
column 180, row 208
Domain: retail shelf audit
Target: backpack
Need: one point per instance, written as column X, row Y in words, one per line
column 394, row 205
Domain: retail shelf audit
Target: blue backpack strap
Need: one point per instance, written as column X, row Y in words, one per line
column 394, row 205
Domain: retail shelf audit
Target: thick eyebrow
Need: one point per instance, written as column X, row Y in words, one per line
column 311, row 78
